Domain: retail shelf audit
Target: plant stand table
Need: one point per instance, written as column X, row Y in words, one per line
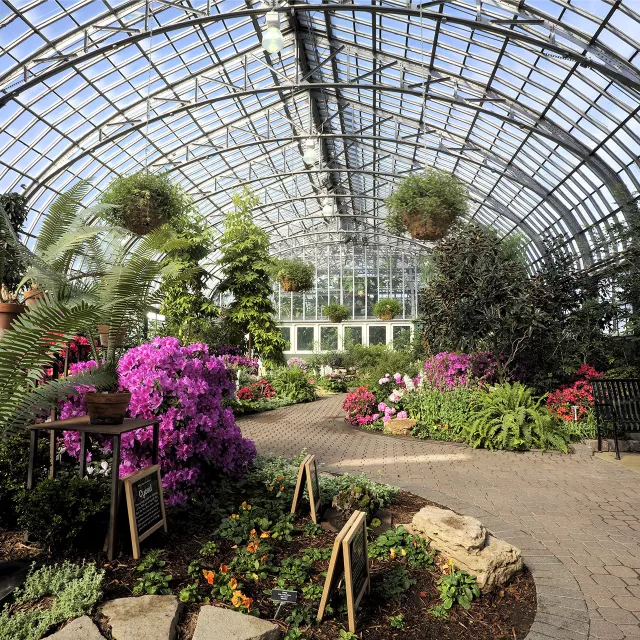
column 82, row 426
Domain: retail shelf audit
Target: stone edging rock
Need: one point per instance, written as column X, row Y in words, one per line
column 561, row 606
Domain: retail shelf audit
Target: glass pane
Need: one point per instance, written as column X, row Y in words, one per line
column 352, row 335
column 377, row 335
column 401, row 337
column 329, row 338
column 286, row 334
column 305, row 339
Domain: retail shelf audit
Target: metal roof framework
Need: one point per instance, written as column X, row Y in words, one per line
column 534, row 104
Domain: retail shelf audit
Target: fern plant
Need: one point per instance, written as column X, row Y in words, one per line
column 508, row 417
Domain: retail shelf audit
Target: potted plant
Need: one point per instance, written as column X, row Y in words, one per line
column 32, row 294
column 295, row 275
column 426, row 204
column 103, row 332
column 143, row 201
column 10, row 308
column 335, row 312
column 387, row 308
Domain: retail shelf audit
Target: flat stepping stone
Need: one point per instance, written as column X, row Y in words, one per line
column 215, row 623
column 143, row 618
column 79, row 629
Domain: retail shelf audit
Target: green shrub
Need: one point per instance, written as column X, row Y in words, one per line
column 292, row 384
column 14, row 464
column 401, row 545
column 66, row 511
column 332, row 486
column 336, row 312
column 393, row 584
column 387, row 307
column 507, row 417
column 441, row 415
column 73, row 590
column 356, row 497
column 144, row 201
column 457, row 586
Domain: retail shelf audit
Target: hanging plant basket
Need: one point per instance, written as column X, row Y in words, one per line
column 107, row 408
column 103, row 331
column 387, row 316
column 9, row 311
column 295, row 275
column 289, row 285
column 426, row 230
column 387, row 308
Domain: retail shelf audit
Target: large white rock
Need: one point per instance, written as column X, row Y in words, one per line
column 216, row 623
column 79, row 629
column 471, row 547
column 400, row 426
column 143, row 618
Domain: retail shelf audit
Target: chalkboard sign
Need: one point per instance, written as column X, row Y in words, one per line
column 313, row 487
column 299, row 485
column 356, row 566
column 145, row 505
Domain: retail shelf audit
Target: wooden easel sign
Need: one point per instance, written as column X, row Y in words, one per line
column 308, row 473
column 350, row 556
column 145, row 505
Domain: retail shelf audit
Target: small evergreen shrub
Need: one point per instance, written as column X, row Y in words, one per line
column 508, row 417
column 336, row 312
column 292, row 384
column 66, row 511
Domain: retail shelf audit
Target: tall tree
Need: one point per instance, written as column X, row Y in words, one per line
column 246, row 266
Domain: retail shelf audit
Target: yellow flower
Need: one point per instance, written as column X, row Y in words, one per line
column 234, row 516
column 246, row 506
column 392, row 553
column 404, row 552
column 265, row 534
column 233, row 584
column 237, row 598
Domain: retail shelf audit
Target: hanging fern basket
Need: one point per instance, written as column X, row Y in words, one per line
column 8, row 313
column 427, row 230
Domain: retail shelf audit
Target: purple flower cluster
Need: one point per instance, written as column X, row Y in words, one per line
column 447, row 370
column 185, row 387
column 298, row 363
column 250, row 365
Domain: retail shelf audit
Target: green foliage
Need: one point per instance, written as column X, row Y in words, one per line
column 426, row 204
column 399, row 544
column 332, row 486
column 292, row 384
column 143, row 201
column 152, row 560
column 14, row 463
column 361, row 498
column 294, row 274
column 347, row 635
column 246, row 264
column 387, row 307
column 374, row 362
column 335, row 312
column 301, row 614
column 508, row 417
column 66, row 511
column 392, row 584
column 457, row 586
column 438, row 611
column 189, row 594
column 312, row 529
column 477, row 296
column 11, row 263
column 72, row 589
column 294, row 633
column 294, row 570
column 209, row 549
column 397, row 622
column 441, row 415
column 154, row 579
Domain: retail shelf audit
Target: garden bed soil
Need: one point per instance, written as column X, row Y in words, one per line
column 504, row 614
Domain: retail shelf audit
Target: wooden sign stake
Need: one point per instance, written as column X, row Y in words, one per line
column 355, row 553
column 145, row 505
column 338, row 564
column 308, row 473
column 299, row 485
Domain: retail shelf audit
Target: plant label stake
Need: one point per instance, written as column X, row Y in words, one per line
column 308, row 473
column 145, row 505
column 349, row 556
column 283, row 596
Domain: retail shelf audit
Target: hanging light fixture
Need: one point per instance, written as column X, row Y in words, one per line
column 272, row 40
column 309, row 156
column 327, row 209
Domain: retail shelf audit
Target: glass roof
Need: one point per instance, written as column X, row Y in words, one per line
column 534, row 104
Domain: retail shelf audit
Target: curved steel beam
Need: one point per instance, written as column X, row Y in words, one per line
column 627, row 78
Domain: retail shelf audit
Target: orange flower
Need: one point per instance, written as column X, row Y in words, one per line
column 263, row 558
column 271, row 488
column 282, row 488
column 247, row 602
column 253, row 532
column 233, row 584
column 281, row 478
column 209, row 575
column 224, row 568
column 252, row 547
column 237, row 598
column 265, row 534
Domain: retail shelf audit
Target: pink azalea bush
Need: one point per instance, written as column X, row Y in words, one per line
column 185, row 387
column 360, row 406
column 447, row 370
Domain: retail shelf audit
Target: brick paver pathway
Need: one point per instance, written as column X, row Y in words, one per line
column 576, row 518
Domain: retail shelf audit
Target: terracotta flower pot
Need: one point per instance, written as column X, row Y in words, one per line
column 103, row 330
column 420, row 229
column 107, row 408
column 9, row 311
column 386, row 316
column 335, row 319
column 31, row 297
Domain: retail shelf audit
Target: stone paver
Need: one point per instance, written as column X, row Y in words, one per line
column 216, row 623
column 576, row 518
column 143, row 617
column 79, row 629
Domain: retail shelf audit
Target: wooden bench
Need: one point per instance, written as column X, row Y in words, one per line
column 617, row 403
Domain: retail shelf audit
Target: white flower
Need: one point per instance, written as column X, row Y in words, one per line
column 383, row 380
column 408, row 383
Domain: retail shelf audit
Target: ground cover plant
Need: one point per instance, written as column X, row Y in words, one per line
column 233, row 546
